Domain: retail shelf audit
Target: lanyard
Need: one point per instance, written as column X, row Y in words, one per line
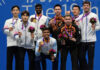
column 84, row 16
column 46, row 43
column 24, row 25
column 13, row 22
column 39, row 17
column 68, row 33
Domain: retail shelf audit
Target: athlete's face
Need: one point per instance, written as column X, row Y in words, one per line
column 25, row 18
column 68, row 20
column 57, row 10
column 38, row 10
column 46, row 33
column 76, row 11
column 15, row 11
column 86, row 7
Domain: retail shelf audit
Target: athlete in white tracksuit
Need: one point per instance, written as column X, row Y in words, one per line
column 88, row 34
column 12, row 46
column 25, row 40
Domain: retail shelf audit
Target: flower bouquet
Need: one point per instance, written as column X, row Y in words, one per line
column 93, row 20
column 51, row 53
column 31, row 29
column 42, row 27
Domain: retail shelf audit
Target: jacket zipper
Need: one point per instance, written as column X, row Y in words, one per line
column 86, row 28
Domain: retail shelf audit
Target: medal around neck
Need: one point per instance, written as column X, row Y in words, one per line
column 41, row 43
column 33, row 20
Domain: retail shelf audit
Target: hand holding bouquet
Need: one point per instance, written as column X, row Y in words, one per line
column 31, row 29
column 93, row 20
column 51, row 53
column 42, row 27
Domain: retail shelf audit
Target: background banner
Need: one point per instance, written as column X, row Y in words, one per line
column 5, row 13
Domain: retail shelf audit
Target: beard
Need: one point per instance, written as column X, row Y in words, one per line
column 38, row 12
column 87, row 10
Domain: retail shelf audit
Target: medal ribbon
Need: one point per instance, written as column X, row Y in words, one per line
column 23, row 26
column 84, row 16
column 68, row 33
column 13, row 22
column 39, row 17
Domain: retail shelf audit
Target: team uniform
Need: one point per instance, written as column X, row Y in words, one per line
column 71, row 31
column 38, row 21
column 88, row 39
column 55, row 25
column 26, row 43
column 12, row 46
column 52, row 44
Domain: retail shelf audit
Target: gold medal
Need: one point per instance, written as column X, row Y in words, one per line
column 41, row 43
column 34, row 20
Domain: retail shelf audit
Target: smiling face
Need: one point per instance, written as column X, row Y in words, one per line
column 46, row 34
column 38, row 10
column 15, row 11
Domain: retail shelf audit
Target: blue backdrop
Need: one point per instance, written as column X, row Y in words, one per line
column 5, row 13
